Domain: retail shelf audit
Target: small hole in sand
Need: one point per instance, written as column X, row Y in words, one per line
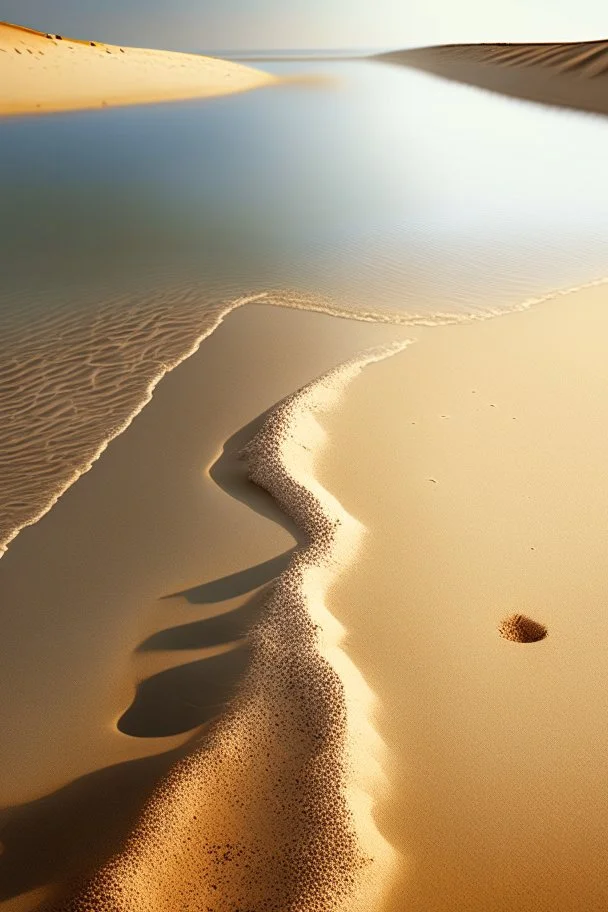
column 521, row 629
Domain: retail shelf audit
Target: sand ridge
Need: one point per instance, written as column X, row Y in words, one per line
column 41, row 73
column 565, row 74
column 271, row 814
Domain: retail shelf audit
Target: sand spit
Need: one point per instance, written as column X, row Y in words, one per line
column 273, row 813
column 60, row 410
column 571, row 75
column 40, row 73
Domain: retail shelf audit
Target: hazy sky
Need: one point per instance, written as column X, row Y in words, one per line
column 192, row 24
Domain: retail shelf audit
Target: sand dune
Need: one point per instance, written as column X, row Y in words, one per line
column 571, row 75
column 43, row 72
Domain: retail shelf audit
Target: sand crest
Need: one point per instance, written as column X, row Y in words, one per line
column 42, row 72
column 565, row 74
column 272, row 812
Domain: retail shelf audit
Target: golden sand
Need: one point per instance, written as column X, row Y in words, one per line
column 477, row 459
column 40, row 73
column 131, row 599
column 270, row 813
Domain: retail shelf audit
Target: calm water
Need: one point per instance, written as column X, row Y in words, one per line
column 124, row 232
column 383, row 187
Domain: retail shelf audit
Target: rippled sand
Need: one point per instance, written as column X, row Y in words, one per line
column 41, row 72
column 573, row 75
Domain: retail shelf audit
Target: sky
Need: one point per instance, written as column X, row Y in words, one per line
column 257, row 24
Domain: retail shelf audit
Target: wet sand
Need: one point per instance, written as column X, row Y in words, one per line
column 87, row 586
column 40, row 73
column 564, row 74
column 477, row 461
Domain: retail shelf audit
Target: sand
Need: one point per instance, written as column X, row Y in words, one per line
column 109, row 676
column 41, row 73
column 139, row 613
column 564, row 74
column 477, row 461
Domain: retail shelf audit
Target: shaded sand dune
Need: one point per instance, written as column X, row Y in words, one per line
column 571, row 75
column 42, row 72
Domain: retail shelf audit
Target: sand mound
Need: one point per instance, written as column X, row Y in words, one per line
column 45, row 72
column 521, row 629
column 567, row 74
column 270, row 813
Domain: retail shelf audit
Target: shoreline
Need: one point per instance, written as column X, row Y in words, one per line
column 97, row 484
column 87, row 75
column 34, row 505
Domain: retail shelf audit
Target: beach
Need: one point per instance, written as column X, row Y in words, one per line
column 124, row 591
column 42, row 73
column 303, row 485
column 482, row 483
column 473, row 453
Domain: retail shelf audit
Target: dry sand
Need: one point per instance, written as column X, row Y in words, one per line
column 566, row 74
column 85, row 586
column 478, row 460
column 41, row 73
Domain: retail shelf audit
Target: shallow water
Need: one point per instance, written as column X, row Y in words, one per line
column 123, row 231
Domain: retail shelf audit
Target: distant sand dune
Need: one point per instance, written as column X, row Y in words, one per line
column 42, row 72
column 571, row 75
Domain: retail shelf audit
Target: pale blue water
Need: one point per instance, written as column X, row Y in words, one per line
column 385, row 187
column 374, row 189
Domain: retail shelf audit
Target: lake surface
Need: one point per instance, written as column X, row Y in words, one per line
column 381, row 187
column 354, row 186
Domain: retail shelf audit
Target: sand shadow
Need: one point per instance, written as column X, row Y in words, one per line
column 229, row 472
column 235, row 584
column 63, row 837
column 219, row 630
column 185, row 697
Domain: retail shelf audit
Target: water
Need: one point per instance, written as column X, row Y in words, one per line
column 125, row 233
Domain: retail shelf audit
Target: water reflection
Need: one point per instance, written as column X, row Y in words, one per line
column 383, row 187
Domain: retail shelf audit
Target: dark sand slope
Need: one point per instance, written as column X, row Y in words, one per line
column 570, row 75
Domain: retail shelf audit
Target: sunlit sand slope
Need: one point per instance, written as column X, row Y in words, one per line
column 573, row 75
column 41, row 73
